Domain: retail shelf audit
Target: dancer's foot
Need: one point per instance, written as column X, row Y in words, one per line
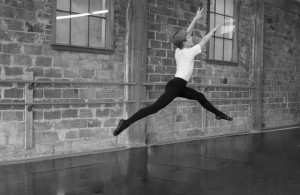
column 118, row 130
column 224, row 116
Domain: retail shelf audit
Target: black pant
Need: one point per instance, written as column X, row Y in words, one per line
column 174, row 88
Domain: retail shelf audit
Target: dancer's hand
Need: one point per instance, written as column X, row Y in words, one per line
column 217, row 27
column 199, row 13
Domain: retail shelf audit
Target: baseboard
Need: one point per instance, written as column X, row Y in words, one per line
column 38, row 159
column 267, row 130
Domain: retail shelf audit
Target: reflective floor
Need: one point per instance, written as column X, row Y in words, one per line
column 267, row 164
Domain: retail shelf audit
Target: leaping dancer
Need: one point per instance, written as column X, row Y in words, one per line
column 184, row 56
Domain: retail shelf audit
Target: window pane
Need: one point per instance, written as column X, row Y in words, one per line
column 228, row 50
column 212, row 21
column 220, row 6
column 98, row 5
column 211, row 48
column 219, row 20
column 62, row 29
column 80, row 6
column 219, row 49
column 79, row 33
column 212, row 5
column 63, row 5
column 229, row 7
column 97, row 32
column 229, row 28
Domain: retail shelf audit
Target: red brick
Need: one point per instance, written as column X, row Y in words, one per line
column 13, row 48
column 44, row 61
column 62, row 124
column 33, row 49
column 52, row 93
column 154, row 27
column 161, row 36
column 86, row 133
column 154, row 78
column 22, row 60
column 5, row 35
column 63, row 103
column 102, row 113
column 94, row 123
column 159, row 69
column 151, row 35
column 23, row 37
column 14, row 24
column 5, row 59
column 72, row 135
column 155, row 44
column 85, row 113
column 71, row 73
column 53, row 114
column 116, row 113
column 173, row 21
column 53, row 73
column 79, row 123
column 42, row 126
column 160, row 53
column 70, row 93
column 38, row 115
column 37, row 71
column 110, row 122
column 166, row 45
column 12, row 116
column 87, row 73
column 13, row 93
column 70, row 113
column 46, row 137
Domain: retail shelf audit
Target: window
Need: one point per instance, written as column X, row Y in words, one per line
column 83, row 25
column 223, row 46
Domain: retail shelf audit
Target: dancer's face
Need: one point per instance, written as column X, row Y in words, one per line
column 189, row 41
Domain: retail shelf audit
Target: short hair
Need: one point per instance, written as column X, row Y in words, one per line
column 179, row 37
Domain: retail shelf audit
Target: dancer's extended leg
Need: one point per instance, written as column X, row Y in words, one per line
column 168, row 96
column 192, row 94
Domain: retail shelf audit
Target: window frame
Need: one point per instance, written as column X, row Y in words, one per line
column 235, row 37
column 108, row 49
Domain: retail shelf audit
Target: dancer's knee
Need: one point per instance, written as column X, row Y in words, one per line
column 201, row 96
column 151, row 110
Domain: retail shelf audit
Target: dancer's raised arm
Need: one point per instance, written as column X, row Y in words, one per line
column 199, row 14
column 206, row 38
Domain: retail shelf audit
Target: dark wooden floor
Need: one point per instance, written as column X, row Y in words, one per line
column 267, row 164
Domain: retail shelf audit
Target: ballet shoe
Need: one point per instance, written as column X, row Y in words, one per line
column 224, row 116
column 118, row 130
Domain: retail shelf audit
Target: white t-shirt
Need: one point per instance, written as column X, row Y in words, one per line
column 185, row 61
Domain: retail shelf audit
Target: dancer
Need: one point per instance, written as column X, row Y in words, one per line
column 184, row 56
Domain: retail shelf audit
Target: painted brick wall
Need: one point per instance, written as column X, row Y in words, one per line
column 184, row 120
column 25, row 34
column 281, row 78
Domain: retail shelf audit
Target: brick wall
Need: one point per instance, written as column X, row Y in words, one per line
column 25, row 34
column 281, row 78
column 184, row 119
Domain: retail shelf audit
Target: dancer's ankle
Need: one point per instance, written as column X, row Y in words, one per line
column 121, row 127
column 223, row 116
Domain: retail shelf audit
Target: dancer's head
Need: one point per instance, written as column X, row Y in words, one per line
column 182, row 39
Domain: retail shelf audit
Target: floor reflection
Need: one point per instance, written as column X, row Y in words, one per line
column 267, row 163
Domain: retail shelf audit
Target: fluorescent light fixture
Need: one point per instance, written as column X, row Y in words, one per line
column 100, row 12
column 227, row 29
column 81, row 15
column 72, row 16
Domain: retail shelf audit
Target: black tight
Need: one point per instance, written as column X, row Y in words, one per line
column 174, row 88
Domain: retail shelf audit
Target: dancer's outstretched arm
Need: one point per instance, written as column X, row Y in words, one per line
column 206, row 38
column 199, row 14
